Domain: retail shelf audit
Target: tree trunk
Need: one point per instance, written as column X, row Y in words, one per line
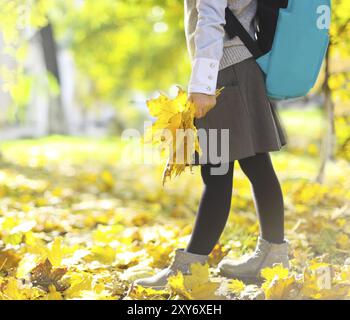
column 56, row 122
column 328, row 141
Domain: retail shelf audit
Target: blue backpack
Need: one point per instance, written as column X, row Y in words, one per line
column 290, row 44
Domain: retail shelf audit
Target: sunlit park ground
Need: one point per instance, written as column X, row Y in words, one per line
column 101, row 222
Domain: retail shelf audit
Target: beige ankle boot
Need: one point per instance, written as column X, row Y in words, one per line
column 181, row 262
column 265, row 255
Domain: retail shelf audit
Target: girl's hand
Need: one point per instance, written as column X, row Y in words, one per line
column 202, row 102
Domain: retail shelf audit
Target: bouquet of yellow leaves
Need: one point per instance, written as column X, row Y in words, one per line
column 174, row 131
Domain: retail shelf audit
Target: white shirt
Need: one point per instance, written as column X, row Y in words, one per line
column 209, row 46
column 209, row 42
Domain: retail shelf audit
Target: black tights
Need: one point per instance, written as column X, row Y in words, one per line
column 215, row 203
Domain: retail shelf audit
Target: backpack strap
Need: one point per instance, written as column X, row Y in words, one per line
column 234, row 28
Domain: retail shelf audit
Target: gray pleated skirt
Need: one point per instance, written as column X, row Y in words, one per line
column 244, row 121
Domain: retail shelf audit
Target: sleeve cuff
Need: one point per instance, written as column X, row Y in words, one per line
column 204, row 76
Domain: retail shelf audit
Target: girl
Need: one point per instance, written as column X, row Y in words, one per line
column 253, row 128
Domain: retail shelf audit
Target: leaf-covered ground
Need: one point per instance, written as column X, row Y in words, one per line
column 77, row 223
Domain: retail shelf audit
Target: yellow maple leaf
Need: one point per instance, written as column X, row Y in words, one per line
column 277, row 271
column 15, row 290
column 199, row 275
column 174, row 131
column 79, row 281
column 235, row 286
column 196, row 285
column 44, row 275
column 55, row 252
column 53, row 294
column 277, row 281
column 279, row 288
column 279, row 284
column 177, row 285
column 206, row 291
column 8, row 260
column 140, row 293
column 104, row 254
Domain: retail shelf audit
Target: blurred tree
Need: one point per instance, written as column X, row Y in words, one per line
column 124, row 46
column 120, row 47
column 336, row 87
column 57, row 122
column 19, row 21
